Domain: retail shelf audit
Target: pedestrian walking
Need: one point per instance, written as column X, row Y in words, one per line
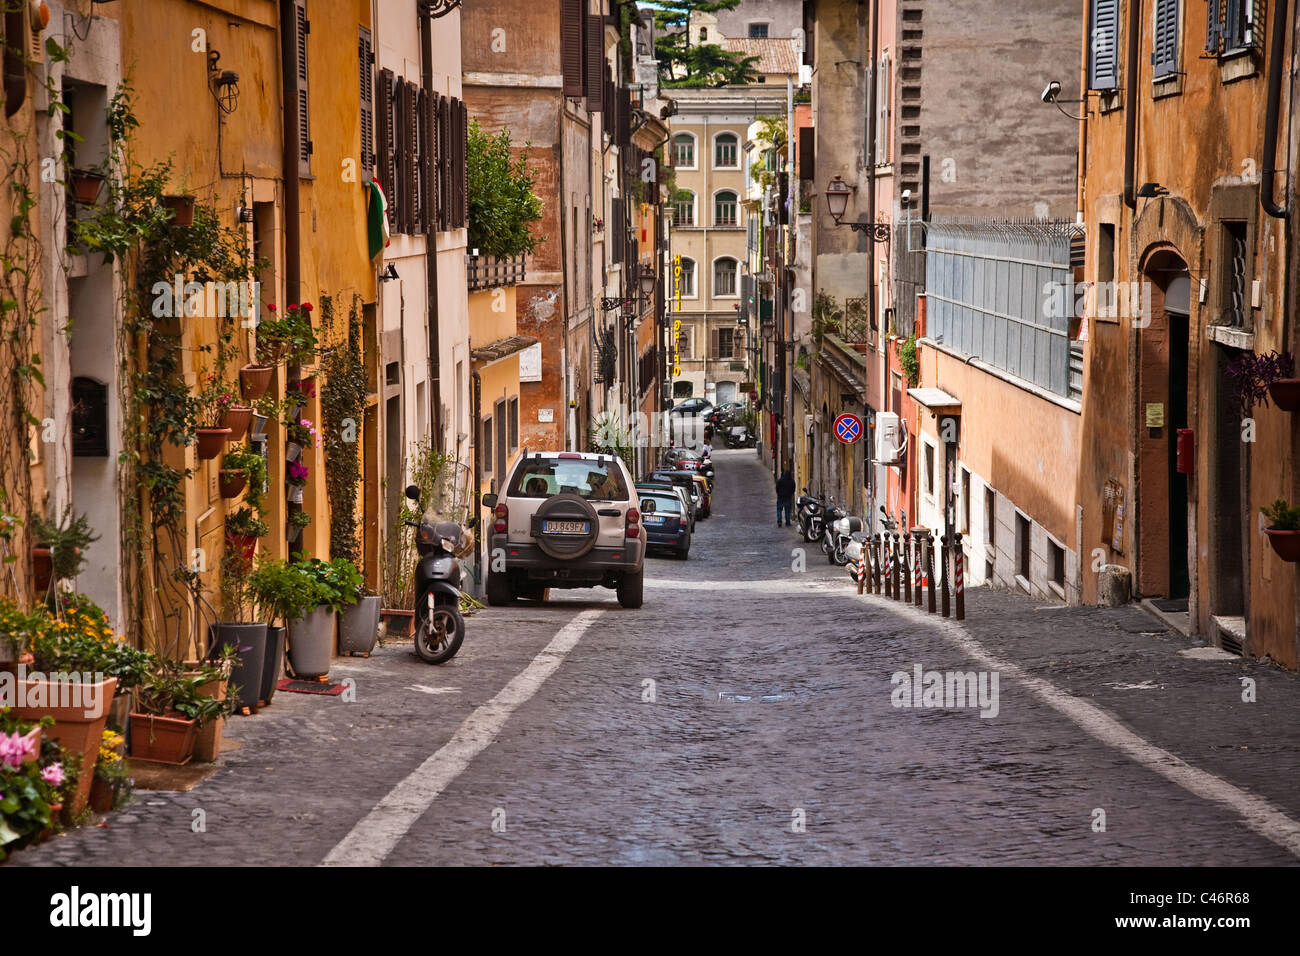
column 784, row 497
column 706, row 450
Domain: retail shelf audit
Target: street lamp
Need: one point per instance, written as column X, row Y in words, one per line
column 837, row 199
column 647, row 283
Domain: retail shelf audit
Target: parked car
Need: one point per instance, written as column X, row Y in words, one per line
column 684, row 480
column 726, row 413
column 566, row 520
column 669, row 525
column 692, row 406
column 683, row 495
column 706, row 495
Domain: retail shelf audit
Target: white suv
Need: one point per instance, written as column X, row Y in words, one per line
column 566, row 520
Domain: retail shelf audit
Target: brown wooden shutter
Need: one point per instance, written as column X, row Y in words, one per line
column 453, row 215
column 806, row 140
column 402, row 121
column 595, row 76
column 302, row 27
column 572, row 33
column 444, row 134
column 386, row 158
column 429, row 164
column 715, row 347
column 365, row 66
column 462, row 167
column 438, row 208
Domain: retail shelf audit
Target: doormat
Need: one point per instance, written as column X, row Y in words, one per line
column 151, row 775
column 310, row 687
column 1172, row 605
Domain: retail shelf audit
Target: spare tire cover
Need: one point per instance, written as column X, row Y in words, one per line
column 566, row 545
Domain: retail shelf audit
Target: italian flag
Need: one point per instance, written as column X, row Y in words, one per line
column 376, row 218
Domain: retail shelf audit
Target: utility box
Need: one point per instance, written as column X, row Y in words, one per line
column 887, row 438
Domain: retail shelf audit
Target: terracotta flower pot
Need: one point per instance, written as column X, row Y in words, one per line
column 73, row 729
column 232, row 482
column 207, row 742
column 85, row 186
column 1285, row 543
column 236, row 419
column 56, row 809
column 163, row 739
column 211, row 441
column 181, row 208
column 42, row 568
column 1285, row 393
column 254, row 380
column 102, row 795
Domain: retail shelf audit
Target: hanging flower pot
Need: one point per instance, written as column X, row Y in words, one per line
column 212, row 441
column 85, row 186
column 258, row 430
column 1285, row 393
column 42, row 568
column 292, row 450
column 244, row 543
column 1285, row 543
column 254, row 380
column 236, row 418
column 295, row 494
column 181, row 209
column 292, row 532
column 232, row 482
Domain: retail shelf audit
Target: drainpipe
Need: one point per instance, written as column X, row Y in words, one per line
column 292, row 209
column 1271, row 116
column 431, row 254
column 872, row 311
column 15, row 72
column 476, row 386
column 1130, row 101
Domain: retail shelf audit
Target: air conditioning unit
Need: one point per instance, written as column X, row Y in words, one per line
column 888, row 438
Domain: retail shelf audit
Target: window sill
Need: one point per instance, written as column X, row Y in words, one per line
column 1108, row 101
column 1238, row 65
column 1057, row 589
column 1231, row 336
column 1165, row 86
column 1024, row 585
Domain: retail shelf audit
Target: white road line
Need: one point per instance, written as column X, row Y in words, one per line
column 1257, row 813
column 379, row 831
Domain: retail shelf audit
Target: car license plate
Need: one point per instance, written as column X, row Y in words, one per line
column 565, row 527
column 654, row 519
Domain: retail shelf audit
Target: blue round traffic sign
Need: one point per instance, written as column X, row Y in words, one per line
column 848, row 428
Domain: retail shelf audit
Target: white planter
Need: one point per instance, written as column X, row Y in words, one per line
column 295, row 494
column 292, row 450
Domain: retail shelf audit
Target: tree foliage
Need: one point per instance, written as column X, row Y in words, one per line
column 502, row 204
column 683, row 65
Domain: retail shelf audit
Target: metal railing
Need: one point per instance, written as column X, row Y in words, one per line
column 483, row 272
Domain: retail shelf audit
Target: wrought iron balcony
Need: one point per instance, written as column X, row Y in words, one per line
column 486, row 272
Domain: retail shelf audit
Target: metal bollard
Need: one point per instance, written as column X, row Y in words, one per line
column 943, row 562
column 898, row 583
column 861, row 573
column 886, row 565
column 929, row 565
column 958, row 583
column 916, row 564
column 907, row 567
column 876, row 583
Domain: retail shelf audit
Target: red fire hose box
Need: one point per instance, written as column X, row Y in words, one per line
column 1186, row 451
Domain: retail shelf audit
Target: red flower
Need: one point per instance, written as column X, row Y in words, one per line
column 271, row 307
column 306, row 306
column 293, row 307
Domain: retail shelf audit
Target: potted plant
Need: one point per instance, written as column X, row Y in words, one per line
column 281, row 594
column 181, row 209
column 295, row 474
column 214, row 401
column 297, row 520
column 1254, row 377
column 30, row 783
column 170, row 710
column 215, row 680
column 359, row 624
column 236, row 419
column 311, row 636
column 239, row 467
column 1283, row 529
column 85, row 185
column 243, row 528
column 238, row 631
column 286, row 336
column 254, row 380
column 110, row 787
column 65, row 539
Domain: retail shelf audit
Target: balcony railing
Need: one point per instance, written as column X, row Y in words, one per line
column 484, row 272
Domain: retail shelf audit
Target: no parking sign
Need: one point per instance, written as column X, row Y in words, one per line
column 848, row 428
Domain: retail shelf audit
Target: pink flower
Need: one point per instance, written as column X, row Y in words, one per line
column 53, row 774
column 14, row 748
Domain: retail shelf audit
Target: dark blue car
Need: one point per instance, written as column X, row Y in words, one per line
column 668, row 527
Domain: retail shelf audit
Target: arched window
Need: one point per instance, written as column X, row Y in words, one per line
column 684, row 151
column 724, row 277
column 684, row 208
column 726, row 151
column 688, row 279
column 724, row 208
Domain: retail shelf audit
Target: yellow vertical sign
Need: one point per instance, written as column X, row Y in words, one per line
column 677, row 307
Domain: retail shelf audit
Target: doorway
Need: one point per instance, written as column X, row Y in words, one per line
column 1163, row 503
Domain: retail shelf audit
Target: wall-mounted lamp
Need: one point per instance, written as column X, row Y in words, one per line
column 433, row 9
column 647, row 281
column 837, row 199
column 389, row 273
column 1052, row 93
column 224, row 84
column 243, row 213
column 1152, row 191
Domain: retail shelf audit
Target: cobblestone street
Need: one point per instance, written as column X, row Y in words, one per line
column 771, row 707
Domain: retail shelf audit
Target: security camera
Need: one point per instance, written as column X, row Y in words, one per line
column 1051, row 91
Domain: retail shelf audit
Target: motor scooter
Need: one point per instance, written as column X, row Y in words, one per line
column 439, row 626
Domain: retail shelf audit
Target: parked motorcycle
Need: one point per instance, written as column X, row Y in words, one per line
column 439, row 626
column 830, row 515
column 738, row 436
column 840, row 529
column 808, row 511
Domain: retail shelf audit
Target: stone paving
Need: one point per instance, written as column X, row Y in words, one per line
column 772, row 708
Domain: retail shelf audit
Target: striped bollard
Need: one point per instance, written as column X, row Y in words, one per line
column 875, row 563
column 897, row 568
column 943, row 567
column 929, row 565
column 907, row 567
column 958, row 583
column 916, row 565
column 862, row 567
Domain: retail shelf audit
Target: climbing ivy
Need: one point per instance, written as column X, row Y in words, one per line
column 343, row 403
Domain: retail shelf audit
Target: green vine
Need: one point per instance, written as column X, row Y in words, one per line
column 343, row 403
column 911, row 365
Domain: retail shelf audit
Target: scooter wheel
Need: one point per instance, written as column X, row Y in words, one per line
column 439, row 634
